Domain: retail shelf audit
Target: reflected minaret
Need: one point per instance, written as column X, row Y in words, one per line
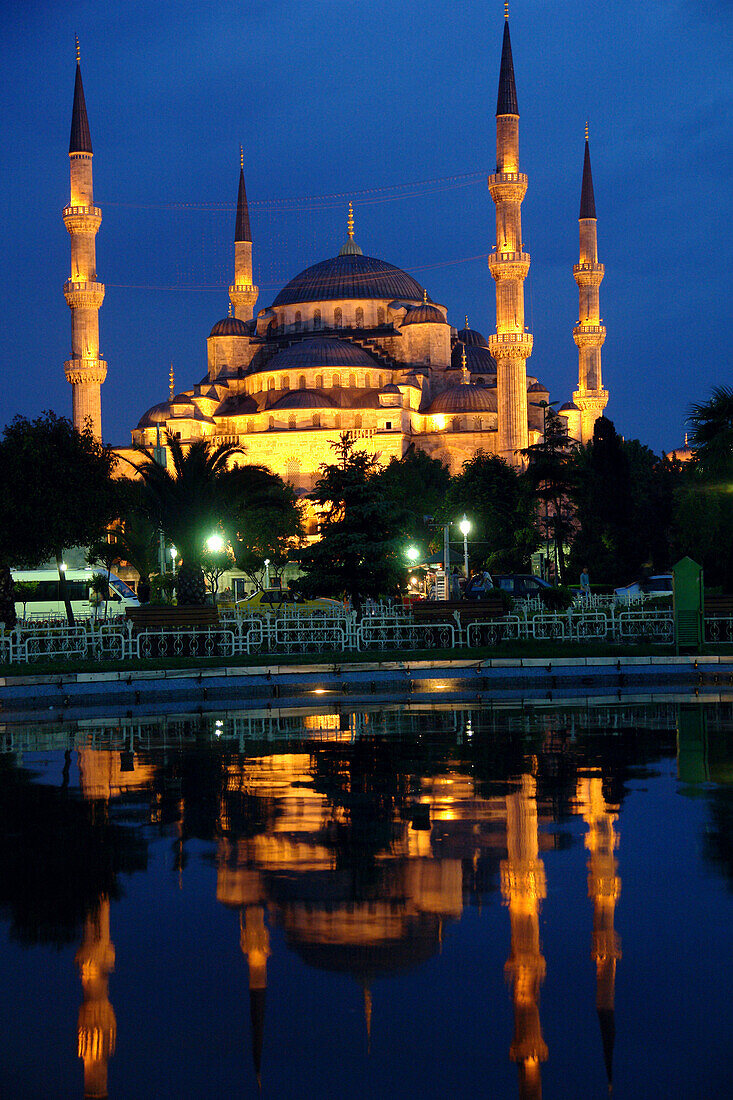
column 255, row 943
column 97, row 1027
column 604, row 888
column 523, row 887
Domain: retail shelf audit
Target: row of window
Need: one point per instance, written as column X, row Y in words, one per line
column 332, row 381
column 338, row 319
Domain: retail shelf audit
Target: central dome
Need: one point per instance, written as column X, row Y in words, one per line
column 349, row 276
column 321, row 351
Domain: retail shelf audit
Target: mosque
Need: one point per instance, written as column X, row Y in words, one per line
column 354, row 344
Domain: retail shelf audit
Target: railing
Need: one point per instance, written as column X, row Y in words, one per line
column 383, row 627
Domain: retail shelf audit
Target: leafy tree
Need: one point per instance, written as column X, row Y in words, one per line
column 137, row 533
column 501, row 506
column 214, row 564
column 267, row 524
column 56, row 491
column 711, row 424
column 358, row 555
column 703, row 527
column 550, row 473
column 417, row 485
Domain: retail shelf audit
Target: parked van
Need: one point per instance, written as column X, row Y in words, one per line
column 42, row 599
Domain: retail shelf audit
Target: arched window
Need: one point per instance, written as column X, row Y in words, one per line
column 338, row 317
column 316, row 420
column 271, row 383
column 271, row 423
column 337, row 420
column 250, row 425
column 302, row 382
column 478, row 424
column 319, row 381
column 380, row 316
column 352, row 380
column 357, row 421
column 381, row 381
column 316, row 318
column 298, row 321
column 367, row 381
column 336, row 381
column 359, row 317
column 291, row 421
column 286, row 382
column 455, row 424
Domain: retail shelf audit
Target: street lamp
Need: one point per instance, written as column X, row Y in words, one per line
column 215, row 543
column 464, row 527
column 267, row 572
column 174, row 554
column 412, row 553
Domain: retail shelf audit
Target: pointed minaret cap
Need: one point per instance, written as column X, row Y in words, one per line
column 350, row 247
column 242, row 231
column 607, row 1021
column 81, row 139
column 506, row 103
column 587, row 198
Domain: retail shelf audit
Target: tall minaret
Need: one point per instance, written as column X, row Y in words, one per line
column 97, row 1027
column 85, row 370
column 243, row 293
column 589, row 333
column 523, row 887
column 509, row 264
column 604, row 888
column 254, row 940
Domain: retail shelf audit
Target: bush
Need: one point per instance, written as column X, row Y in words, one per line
column 507, row 602
column 557, row 599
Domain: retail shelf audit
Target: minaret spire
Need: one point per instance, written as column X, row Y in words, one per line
column 242, row 292
column 85, row 370
column 511, row 346
column 589, row 333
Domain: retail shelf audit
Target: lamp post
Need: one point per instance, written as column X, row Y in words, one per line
column 174, row 554
column 545, row 405
column 267, row 572
column 464, row 527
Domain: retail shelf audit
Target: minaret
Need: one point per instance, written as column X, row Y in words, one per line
column 589, row 333
column 604, row 888
column 97, row 1027
column 85, row 370
column 509, row 264
column 254, row 940
column 243, row 293
column 523, row 887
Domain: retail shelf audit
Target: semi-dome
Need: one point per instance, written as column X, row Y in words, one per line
column 349, row 276
column 230, row 326
column 479, row 360
column 464, row 398
column 321, row 351
column 303, row 399
column 472, row 337
column 424, row 314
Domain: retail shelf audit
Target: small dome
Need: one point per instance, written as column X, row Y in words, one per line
column 390, row 388
column 464, row 398
column 537, row 387
column 158, row 414
column 425, row 314
column 569, row 406
column 479, row 360
column 320, row 351
column 472, row 338
column 230, row 326
column 303, row 399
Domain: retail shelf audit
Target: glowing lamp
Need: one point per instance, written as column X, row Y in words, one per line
column 215, row 543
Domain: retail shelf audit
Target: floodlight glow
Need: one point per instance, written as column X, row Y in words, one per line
column 412, row 553
column 215, row 543
column 465, row 525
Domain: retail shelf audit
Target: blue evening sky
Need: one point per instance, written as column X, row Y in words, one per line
column 359, row 99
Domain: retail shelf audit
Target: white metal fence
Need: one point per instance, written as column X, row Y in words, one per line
column 386, row 628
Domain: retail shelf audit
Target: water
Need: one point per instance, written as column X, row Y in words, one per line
column 407, row 903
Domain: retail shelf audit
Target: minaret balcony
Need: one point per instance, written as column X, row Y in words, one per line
column 82, row 219
column 83, row 295
column 589, row 336
column 511, row 345
column 588, row 274
column 509, row 265
column 80, row 372
column 507, row 186
column 591, row 401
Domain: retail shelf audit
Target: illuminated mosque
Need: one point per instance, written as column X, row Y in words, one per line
column 354, row 344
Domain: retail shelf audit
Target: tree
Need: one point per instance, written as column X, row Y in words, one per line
column 501, row 506
column 358, row 555
column 550, row 474
column 56, row 492
column 267, row 524
column 417, row 485
column 711, row 424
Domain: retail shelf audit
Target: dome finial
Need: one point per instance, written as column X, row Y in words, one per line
column 425, row 296
column 464, row 365
column 467, row 324
column 350, row 222
column 230, row 310
column 78, row 50
column 171, row 383
column 350, row 247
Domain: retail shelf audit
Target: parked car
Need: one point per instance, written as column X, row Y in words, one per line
column 520, row 586
column 40, row 597
column 659, row 585
column 479, row 587
column 282, row 599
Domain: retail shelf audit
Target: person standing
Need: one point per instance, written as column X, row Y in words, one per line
column 585, row 583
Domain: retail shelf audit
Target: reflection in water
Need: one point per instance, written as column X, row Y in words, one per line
column 604, row 888
column 523, row 888
column 97, row 1027
column 356, row 838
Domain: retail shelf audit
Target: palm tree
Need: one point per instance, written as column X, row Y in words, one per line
column 188, row 503
column 712, row 434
